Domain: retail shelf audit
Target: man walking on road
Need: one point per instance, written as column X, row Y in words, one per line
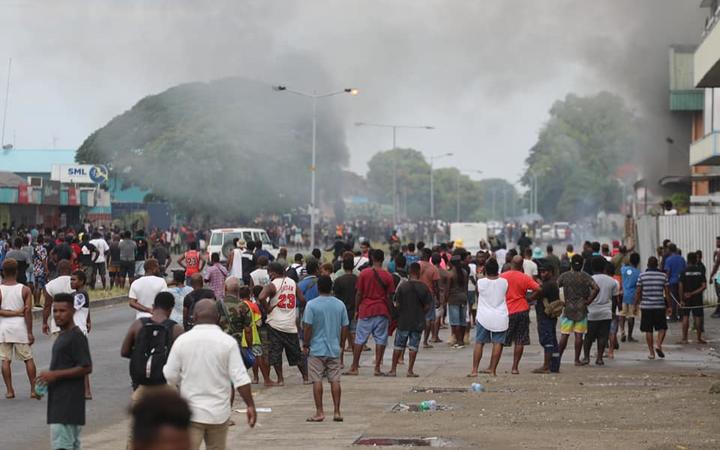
column 692, row 286
column 324, row 322
column 375, row 287
column 653, row 296
column 206, row 364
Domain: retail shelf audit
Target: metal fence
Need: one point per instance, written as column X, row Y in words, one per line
column 689, row 233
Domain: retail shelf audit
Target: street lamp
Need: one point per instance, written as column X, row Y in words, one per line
column 432, row 182
column 314, row 96
column 394, row 147
column 457, row 192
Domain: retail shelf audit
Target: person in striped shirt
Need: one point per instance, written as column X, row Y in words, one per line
column 652, row 294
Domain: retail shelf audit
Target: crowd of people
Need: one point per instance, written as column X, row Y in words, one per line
column 215, row 329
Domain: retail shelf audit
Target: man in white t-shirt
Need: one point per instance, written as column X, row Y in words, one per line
column 492, row 317
column 259, row 276
column 102, row 248
column 529, row 266
column 144, row 289
column 58, row 285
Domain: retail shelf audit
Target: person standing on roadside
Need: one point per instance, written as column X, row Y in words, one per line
column 58, row 285
column 324, row 322
column 579, row 291
column 102, row 248
column 205, row 364
column 280, row 300
column 141, row 252
column 518, row 332
column 40, row 269
column 345, row 289
column 653, row 297
column 547, row 324
column 715, row 276
column 69, row 365
column 430, row 276
column 413, row 301
column 216, row 275
column 16, row 334
column 375, row 287
column 630, row 274
column 127, row 258
column 674, row 265
column 491, row 320
column 600, row 313
column 691, row 288
column 191, row 261
column 456, row 299
column 144, row 289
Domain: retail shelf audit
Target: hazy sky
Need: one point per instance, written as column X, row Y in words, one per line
column 483, row 72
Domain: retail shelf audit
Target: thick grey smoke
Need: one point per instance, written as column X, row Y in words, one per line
column 483, row 72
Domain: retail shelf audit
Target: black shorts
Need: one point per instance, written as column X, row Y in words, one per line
column 694, row 309
column 598, row 329
column 127, row 269
column 280, row 341
column 518, row 331
column 100, row 268
column 652, row 320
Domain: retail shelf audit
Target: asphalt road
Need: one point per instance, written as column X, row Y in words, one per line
column 24, row 419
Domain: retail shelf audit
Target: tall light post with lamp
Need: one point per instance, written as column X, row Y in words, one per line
column 314, row 96
column 394, row 147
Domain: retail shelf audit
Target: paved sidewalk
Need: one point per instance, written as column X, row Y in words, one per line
column 629, row 403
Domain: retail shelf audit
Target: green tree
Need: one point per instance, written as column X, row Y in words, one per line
column 577, row 154
column 228, row 149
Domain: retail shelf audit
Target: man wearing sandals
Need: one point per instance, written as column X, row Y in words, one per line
column 652, row 294
column 324, row 322
column 375, row 287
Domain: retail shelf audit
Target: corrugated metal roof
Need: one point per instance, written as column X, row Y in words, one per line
column 34, row 160
column 687, row 100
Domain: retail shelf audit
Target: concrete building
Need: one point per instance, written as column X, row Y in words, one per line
column 705, row 147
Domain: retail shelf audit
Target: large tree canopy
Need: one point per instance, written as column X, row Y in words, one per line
column 413, row 188
column 577, row 154
column 230, row 148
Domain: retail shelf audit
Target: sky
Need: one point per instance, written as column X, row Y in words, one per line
column 483, row 73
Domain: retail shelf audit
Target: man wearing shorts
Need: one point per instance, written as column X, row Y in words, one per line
column 518, row 333
column 430, row 276
column 279, row 300
column 375, row 287
column 692, row 286
column 630, row 274
column 127, row 259
column 653, row 296
column 16, row 335
column 324, row 321
column 579, row 290
column 413, row 301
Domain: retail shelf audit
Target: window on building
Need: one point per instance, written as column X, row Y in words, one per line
column 712, row 110
column 714, row 185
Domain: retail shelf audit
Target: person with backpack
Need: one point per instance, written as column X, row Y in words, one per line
column 147, row 344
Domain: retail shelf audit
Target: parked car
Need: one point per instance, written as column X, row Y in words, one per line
column 221, row 240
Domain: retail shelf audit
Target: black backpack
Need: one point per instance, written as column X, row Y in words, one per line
column 150, row 353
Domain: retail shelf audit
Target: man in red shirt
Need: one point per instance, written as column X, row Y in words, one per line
column 518, row 331
column 375, row 287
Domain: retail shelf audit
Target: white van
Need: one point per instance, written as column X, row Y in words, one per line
column 221, row 240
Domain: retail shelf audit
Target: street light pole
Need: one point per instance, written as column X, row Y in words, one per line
column 432, row 182
column 314, row 96
column 395, row 198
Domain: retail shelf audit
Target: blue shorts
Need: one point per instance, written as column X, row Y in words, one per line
column 402, row 338
column 430, row 315
column 64, row 436
column 483, row 336
column 377, row 326
column 471, row 296
column 457, row 315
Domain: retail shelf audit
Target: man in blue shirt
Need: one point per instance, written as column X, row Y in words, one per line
column 324, row 321
column 674, row 266
column 630, row 274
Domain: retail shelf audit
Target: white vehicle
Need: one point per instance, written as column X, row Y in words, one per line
column 221, row 240
column 471, row 233
column 562, row 231
column 546, row 233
